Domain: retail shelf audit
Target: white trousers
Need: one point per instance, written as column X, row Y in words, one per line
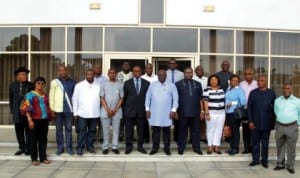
column 214, row 128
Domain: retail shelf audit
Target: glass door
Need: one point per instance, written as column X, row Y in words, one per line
column 182, row 62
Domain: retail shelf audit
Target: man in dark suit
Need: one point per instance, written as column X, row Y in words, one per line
column 261, row 119
column 17, row 90
column 134, row 109
column 190, row 94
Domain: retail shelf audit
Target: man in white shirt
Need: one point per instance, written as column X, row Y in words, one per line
column 247, row 85
column 100, row 79
column 149, row 75
column 86, row 108
column 199, row 77
column 173, row 76
column 124, row 75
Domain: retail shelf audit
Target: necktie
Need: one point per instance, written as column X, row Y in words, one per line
column 173, row 80
column 190, row 88
column 137, row 86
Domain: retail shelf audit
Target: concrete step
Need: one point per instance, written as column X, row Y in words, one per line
column 8, row 146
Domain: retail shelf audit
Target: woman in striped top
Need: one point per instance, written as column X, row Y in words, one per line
column 214, row 110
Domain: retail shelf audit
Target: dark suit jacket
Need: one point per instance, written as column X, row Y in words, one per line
column 134, row 104
column 16, row 97
column 260, row 109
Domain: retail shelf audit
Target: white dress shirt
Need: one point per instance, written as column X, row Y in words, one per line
column 202, row 80
column 86, row 99
column 248, row 87
column 151, row 78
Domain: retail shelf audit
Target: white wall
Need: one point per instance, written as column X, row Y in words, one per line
column 68, row 12
column 274, row 14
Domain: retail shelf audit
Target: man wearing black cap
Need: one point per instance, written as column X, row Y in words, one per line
column 17, row 90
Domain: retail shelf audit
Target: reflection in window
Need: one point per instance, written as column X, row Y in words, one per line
column 48, row 39
column 5, row 116
column 127, row 39
column 175, row 40
column 212, row 64
column 85, row 39
column 46, row 65
column 9, row 63
column 13, row 39
column 259, row 64
column 79, row 63
column 285, row 43
column 152, row 11
column 216, row 41
column 285, row 70
column 252, row 42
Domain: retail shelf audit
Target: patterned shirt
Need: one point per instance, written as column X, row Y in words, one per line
column 37, row 105
column 215, row 99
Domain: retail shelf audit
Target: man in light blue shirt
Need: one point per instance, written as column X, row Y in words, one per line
column 287, row 110
column 161, row 105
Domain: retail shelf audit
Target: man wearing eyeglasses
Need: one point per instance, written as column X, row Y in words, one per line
column 173, row 76
column 247, row 85
column 17, row 91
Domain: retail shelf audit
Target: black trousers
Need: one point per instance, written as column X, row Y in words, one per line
column 184, row 124
column 175, row 131
column 260, row 141
column 23, row 135
column 246, row 136
column 156, row 130
column 234, row 124
column 146, row 131
column 129, row 131
column 39, row 140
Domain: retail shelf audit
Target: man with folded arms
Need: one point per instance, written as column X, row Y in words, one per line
column 287, row 110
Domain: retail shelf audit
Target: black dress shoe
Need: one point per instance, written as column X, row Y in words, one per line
column 292, row 171
column 59, row 152
column 167, row 151
column 27, row 153
column 199, row 152
column 277, row 168
column 128, row 151
column 228, row 151
column 142, row 150
column 208, row 152
column 152, row 152
column 91, row 150
column 19, row 152
column 218, row 152
column 245, row 152
column 233, row 152
column 79, row 152
column 253, row 163
column 116, row 151
column 264, row 165
column 105, row 152
column 180, row 152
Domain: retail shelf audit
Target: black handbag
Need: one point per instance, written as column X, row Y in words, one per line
column 240, row 113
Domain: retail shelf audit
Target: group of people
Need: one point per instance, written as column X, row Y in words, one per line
column 196, row 105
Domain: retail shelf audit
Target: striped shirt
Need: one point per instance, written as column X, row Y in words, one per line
column 215, row 99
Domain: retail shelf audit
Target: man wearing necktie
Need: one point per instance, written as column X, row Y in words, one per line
column 190, row 94
column 134, row 110
column 173, row 76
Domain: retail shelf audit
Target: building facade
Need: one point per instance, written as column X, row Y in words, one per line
column 41, row 35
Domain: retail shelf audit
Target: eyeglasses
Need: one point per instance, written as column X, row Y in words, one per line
column 172, row 63
column 40, row 83
column 247, row 73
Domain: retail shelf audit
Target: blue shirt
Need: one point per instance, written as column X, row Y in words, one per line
column 236, row 97
column 161, row 99
column 69, row 85
column 287, row 110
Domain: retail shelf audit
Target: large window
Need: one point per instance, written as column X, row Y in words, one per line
column 252, row 42
column 259, row 64
column 48, row 39
column 175, row 40
column 216, row 41
column 212, row 63
column 79, row 63
column 285, row 70
column 127, row 39
column 13, row 39
column 285, row 43
column 85, row 39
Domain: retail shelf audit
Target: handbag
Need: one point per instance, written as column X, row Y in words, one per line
column 227, row 133
column 240, row 113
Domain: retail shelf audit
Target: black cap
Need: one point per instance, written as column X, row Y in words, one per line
column 21, row 69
